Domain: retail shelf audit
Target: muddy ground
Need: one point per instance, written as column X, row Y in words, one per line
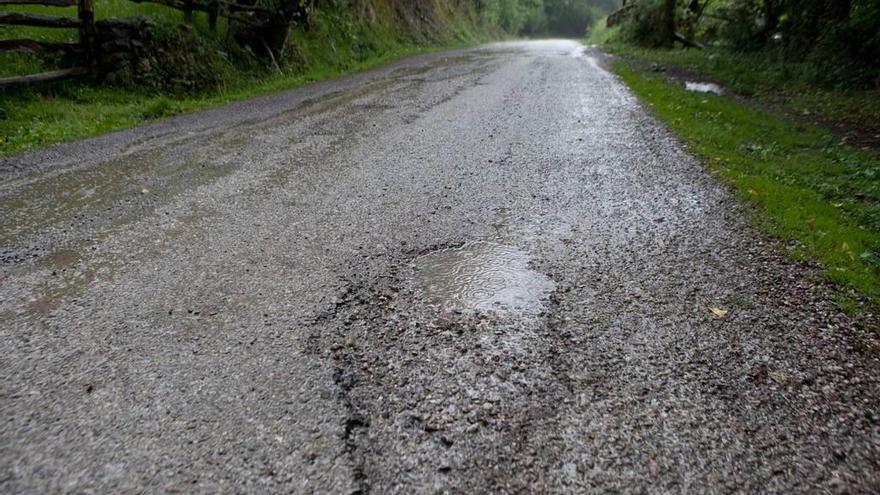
column 484, row 271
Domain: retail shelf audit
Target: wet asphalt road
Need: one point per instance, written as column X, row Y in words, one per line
column 236, row 301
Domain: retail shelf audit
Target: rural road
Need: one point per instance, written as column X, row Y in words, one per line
column 482, row 271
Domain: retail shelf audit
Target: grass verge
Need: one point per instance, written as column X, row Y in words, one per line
column 71, row 110
column 766, row 78
column 820, row 196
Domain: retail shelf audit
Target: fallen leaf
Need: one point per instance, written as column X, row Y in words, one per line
column 721, row 313
column 779, row 377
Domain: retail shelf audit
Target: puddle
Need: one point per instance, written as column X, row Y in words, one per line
column 482, row 277
column 702, row 87
column 113, row 193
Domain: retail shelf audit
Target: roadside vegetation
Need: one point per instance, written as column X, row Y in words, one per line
column 201, row 69
column 196, row 67
column 795, row 131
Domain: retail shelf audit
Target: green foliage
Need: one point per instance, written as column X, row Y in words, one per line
column 159, row 107
column 544, row 17
column 510, row 15
column 196, row 69
column 843, row 44
column 600, row 34
column 821, row 196
column 790, row 85
column 743, row 28
column 568, row 17
column 180, row 61
column 642, row 24
column 838, row 39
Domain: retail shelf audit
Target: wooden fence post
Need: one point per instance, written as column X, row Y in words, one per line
column 86, row 11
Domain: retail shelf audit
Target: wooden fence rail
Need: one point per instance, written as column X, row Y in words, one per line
column 38, row 20
column 50, row 3
column 84, row 22
column 33, row 46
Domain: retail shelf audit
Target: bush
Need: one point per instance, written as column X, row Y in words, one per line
column 847, row 50
column 642, row 25
column 744, row 29
column 177, row 60
column 838, row 42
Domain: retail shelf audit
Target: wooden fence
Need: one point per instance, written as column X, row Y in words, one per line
column 252, row 15
column 84, row 48
column 84, row 22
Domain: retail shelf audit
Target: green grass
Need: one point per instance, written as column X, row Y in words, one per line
column 766, row 77
column 810, row 190
column 788, row 84
column 335, row 45
column 791, row 86
column 74, row 111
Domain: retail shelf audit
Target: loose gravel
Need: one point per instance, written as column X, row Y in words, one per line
column 231, row 302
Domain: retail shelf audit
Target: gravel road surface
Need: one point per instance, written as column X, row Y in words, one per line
column 482, row 271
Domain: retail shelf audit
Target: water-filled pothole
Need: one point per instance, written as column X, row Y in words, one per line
column 482, row 277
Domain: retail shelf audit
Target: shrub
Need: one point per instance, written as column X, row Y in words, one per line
column 643, row 24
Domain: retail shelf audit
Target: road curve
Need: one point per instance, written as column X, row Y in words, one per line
column 482, row 271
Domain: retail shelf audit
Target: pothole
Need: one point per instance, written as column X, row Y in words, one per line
column 483, row 277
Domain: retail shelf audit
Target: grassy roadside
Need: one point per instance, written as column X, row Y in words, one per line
column 74, row 111
column 791, row 87
column 786, row 85
column 335, row 45
column 820, row 196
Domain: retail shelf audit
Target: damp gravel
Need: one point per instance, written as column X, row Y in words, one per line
column 238, row 301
